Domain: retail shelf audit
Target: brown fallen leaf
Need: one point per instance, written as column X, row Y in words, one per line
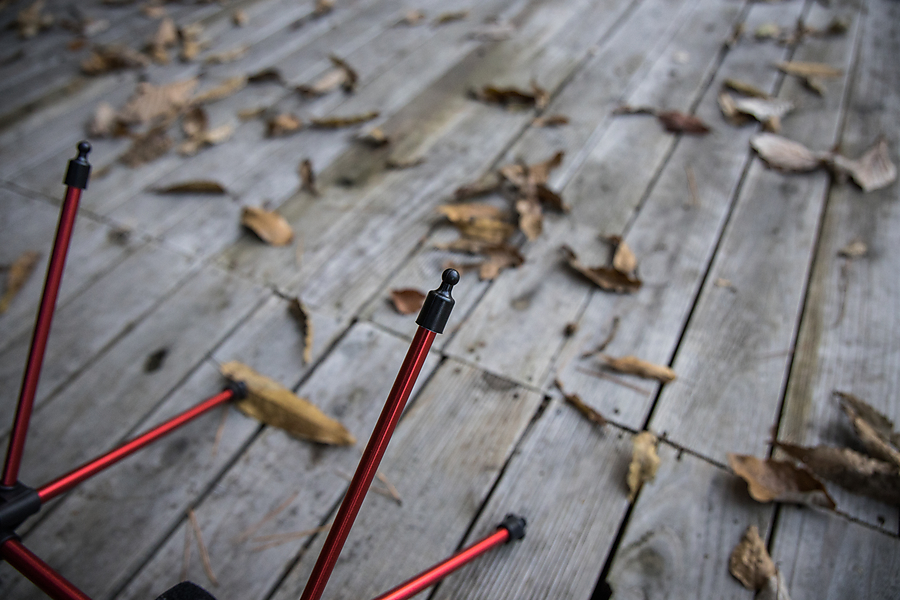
column 851, row 470
column 808, row 69
column 488, row 183
column 112, row 57
column 282, row 124
column 874, row 430
column 774, row 480
column 374, row 138
column 784, row 154
column 679, row 122
column 551, row 121
column 487, row 230
column 32, row 20
column 510, row 97
column 750, row 562
column 191, row 44
column 581, row 406
column 19, row 272
column 347, row 121
column 226, row 88
column 407, row 300
column 275, row 405
column 883, row 426
column 449, row 17
column 766, row 111
column 226, row 56
column 606, row 278
column 239, row 18
column 729, row 109
column 745, row 88
column 871, row 171
column 301, row 316
column 206, row 137
column 531, row 217
column 147, row 147
column 307, row 177
column 459, row 213
column 631, row 365
column 644, row 462
column 499, row 257
column 166, row 37
column 624, row 259
column 342, row 75
column 271, row 227
column 854, row 249
column 150, row 102
column 265, row 75
column 197, row 186
column 522, row 175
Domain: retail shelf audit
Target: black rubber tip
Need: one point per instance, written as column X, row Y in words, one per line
column 239, row 390
column 439, row 303
column 515, row 525
column 79, row 170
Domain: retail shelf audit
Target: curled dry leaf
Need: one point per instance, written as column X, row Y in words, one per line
column 488, row 183
column 535, row 174
column 745, row 88
column 882, row 426
column 407, row 300
column 283, row 124
column 873, row 429
column 499, row 257
column 644, row 462
column 750, row 562
column 624, row 259
column 301, row 316
column 246, row 114
column 269, row 74
column 347, row 121
column 581, row 406
column 871, row 171
column 228, row 87
column 307, row 177
column 631, row 365
column 784, row 154
column 194, row 122
column 19, row 272
column 150, row 102
column 551, row 121
column 275, row 405
column 808, row 69
column 853, row 250
column 774, row 480
column 510, row 97
column 458, row 213
column 227, row 56
column 679, row 122
column 206, row 137
column 851, row 470
column 269, row 226
column 404, row 163
column 342, row 75
column 606, row 278
column 449, row 17
column 479, row 221
column 197, row 186
column 112, row 57
column 147, row 147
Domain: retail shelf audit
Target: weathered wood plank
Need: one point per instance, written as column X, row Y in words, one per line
column 733, row 358
column 276, row 467
column 87, row 324
column 846, row 339
column 674, row 241
column 682, row 530
column 567, row 479
column 543, row 292
column 826, row 557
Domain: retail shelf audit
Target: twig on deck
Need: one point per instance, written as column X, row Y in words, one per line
column 186, row 561
column 276, row 539
column 390, row 487
column 378, row 490
column 613, row 330
column 606, row 376
column 220, row 430
column 268, row 517
column 204, row 554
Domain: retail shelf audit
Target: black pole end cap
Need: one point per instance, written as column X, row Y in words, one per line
column 515, row 525
column 239, row 389
column 79, row 170
column 439, row 303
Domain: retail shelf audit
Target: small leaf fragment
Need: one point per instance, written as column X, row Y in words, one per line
column 768, row 112
column 644, row 462
column 271, row 227
column 458, row 213
column 499, row 257
column 449, row 17
column 510, row 97
column 808, row 69
column 745, row 88
column 581, row 406
column 275, row 405
column 750, row 562
column 301, row 316
column 19, row 272
column 346, row 121
column 226, row 88
column 307, row 177
column 198, row 186
column 604, row 277
column 105, row 123
column 770, row 479
column 871, row 171
column 150, row 102
column 486, row 184
column 679, row 122
column 375, row 138
column 873, row 429
column 624, row 259
column 631, row 365
column 147, row 147
column 166, row 37
column 342, row 75
column 112, row 57
column 282, row 124
column 854, row 249
column 407, row 300
column 551, row 121
column 265, row 75
column 412, row 17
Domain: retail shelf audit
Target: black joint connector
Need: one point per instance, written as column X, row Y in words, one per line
column 79, row 170
column 239, row 390
column 439, row 303
column 515, row 525
column 17, row 503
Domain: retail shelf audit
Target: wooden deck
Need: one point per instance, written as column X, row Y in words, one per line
column 487, row 432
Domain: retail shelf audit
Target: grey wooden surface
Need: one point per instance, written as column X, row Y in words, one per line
column 487, row 431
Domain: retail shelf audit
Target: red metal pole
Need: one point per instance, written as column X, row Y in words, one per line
column 40, row 573
column 76, row 180
column 90, row 468
column 431, row 576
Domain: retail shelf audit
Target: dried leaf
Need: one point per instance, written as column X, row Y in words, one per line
column 190, row 41
column 113, row 57
column 874, row 429
column 31, row 20
column 750, row 562
column 375, row 138
column 147, row 147
column 265, row 75
column 458, row 213
column 307, row 177
column 338, row 122
column 269, row 226
column 531, row 217
column 784, row 154
column 350, row 76
column 511, row 97
column 407, row 300
column 323, row 7
column 226, row 56
column 239, row 18
column 166, row 37
column 679, row 122
column 644, row 462
column 780, row 481
column 209, row 137
column 487, row 230
column 449, row 17
column 228, row 87
column 499, row 257
column 851, row 470
column 341, row 75
column 631, row 365
column 853, row 250
column 581, row 406
column 551, row 121
column 808, row 69
column 283, row 124
column 151, row 102
column 488, row 183
column 275, row 405
column 606, row 278
column 19, row 272
column 198, row 186
column 745, row 88
column 304, row 323
column 194, row 122
column 624, row 259
column 729, row 109
column 765, row 111
column 871, row 171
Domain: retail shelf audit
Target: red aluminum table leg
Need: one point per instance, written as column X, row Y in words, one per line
column 28, row 564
